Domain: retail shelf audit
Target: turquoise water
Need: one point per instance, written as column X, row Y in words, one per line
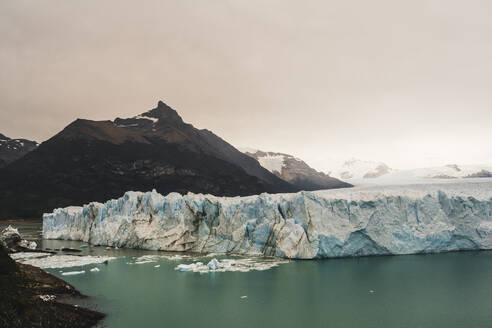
column 418, row 291
column 444, row 290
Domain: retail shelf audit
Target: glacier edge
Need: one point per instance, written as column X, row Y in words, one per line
column 304, row 225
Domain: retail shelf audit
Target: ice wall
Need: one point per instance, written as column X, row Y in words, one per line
column 305, row 225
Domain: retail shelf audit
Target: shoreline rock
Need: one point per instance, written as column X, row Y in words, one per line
column 31, row 297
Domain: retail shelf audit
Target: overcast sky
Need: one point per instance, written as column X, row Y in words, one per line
column 404, row 82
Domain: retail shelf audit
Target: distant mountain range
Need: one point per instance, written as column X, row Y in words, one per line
column 100, row 160
column 355, row 171
column 359, row 169
column 13, row 149
column 294, row 170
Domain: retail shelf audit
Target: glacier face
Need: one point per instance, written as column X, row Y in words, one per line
column 306, row 225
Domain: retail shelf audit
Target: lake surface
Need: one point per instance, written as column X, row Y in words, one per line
column 441, row 290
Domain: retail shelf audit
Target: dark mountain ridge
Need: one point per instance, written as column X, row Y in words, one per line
column 13, row 149
column 99, row 160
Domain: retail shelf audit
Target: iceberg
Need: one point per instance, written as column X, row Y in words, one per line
column 213, row 264
column 231, row 265
column 361, row 221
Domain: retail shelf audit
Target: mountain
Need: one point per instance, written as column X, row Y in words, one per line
column 294, row 170
column 12, row 149
column 450, row 171
column 100, row 160
column 360, row 169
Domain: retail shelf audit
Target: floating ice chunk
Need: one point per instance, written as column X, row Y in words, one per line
column 155, row 258
column 64, row 261
column 73, row 273
column 28, row 255
column 239, row 265
column 95, row 270
column 190, row 267
column 213, row 264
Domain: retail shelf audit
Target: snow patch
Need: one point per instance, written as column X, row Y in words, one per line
column 153, row 119
column 272, row 163
column 47, row 298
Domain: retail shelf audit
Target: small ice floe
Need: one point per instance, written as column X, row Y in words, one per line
column 28, row 244
column 155, row 258
column 176, row 257
column 243, row 297
column 236, row 265
column 73, row 273
column 47, row 298
column 28, row 255
column 63, row 261
column 213, row 264
column 195, row 267
column 144, row 259
column 157, row 266
column 95, row 270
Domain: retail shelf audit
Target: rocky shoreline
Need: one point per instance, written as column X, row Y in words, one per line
column 30, row 297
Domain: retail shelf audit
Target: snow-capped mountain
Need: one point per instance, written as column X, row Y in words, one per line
column 294, row 170
column 12, row 149
column 360, row 169
column 451, row 171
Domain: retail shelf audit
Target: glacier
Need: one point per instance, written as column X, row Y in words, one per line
column 360, row 221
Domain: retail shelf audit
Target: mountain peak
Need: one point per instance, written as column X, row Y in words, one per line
column 163, row 112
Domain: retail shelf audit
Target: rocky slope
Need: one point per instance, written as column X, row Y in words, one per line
column 31, row 297
column 13, row 149
column 295, row 171
column 324, row 224
column 100, row 160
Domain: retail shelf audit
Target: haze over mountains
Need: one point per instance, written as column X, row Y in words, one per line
column 360, row 171
column 100, row 160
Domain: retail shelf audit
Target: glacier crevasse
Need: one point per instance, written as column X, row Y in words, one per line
column 304, row 225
